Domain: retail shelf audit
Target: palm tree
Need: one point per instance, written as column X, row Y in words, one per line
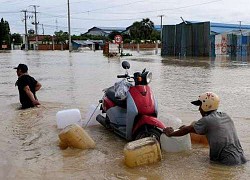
column 61, row 37
column 147, row 27
column 142, row 30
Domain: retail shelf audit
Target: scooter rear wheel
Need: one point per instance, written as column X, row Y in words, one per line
column 148, row 131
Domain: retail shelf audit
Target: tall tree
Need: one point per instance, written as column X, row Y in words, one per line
column 4, row 33
column 147, row 27
column 135, row 30
column 142, row 30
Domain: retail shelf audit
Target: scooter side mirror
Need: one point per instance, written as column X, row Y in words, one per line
column 144, row 70
column 125, row 65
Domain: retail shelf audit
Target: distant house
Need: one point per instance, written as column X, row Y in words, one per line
column 44, row 42
column 91, row 44
column 41, row 39
column 103, row 31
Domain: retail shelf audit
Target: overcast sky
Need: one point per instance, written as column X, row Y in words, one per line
column 85, row 14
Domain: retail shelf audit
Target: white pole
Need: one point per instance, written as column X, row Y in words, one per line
column 70, row 44
column 161, row 25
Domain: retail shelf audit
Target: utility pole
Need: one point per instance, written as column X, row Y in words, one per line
column 26, row 34
column 161, row 26
column 241, row 39
column 240, row 28
column 36, row 23
column 43, row 29
column 70, row 44
column 56, row 25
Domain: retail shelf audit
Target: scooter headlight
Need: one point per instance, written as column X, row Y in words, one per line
column 149, row 77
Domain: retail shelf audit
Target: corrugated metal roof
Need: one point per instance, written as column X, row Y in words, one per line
column 88, row 42
column 112, row 28
column 221, row 27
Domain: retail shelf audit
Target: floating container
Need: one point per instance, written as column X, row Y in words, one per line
column 74, row 136
column 67, row 117
column 198, row 139
column 141, row 152
column 175, row 144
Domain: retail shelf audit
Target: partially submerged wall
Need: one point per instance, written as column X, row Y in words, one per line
column 192, row 39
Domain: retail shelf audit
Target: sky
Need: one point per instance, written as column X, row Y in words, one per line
column 52, row 15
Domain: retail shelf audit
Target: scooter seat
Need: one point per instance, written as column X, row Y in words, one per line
column 110, row 93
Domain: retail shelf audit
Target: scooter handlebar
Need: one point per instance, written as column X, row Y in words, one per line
column 122, row 76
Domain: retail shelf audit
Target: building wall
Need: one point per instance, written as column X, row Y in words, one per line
column 50, row 47
column 232, row 45
column 186, row 40
column 168, row 40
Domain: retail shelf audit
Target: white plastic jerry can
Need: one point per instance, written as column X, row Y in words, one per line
column 68, row 117
column 175, row 144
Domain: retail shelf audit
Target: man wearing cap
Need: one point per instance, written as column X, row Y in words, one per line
column 219, row 129
column 27, row 87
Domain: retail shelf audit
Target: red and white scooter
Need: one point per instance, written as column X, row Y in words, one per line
column 134, row 117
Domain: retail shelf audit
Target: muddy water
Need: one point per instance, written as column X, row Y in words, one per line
column 29, row 138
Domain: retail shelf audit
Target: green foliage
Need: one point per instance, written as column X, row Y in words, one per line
column 112, row 35
column 4, row 33
column 16, row 39
column 61, row 37
column 135, row 30
column 143, row 30
column 147, row 27
column 46, row 40
column 126, row 41
column 126, row 38
column 155, row 35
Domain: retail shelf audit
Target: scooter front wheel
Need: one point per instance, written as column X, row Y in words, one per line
column 148, row 131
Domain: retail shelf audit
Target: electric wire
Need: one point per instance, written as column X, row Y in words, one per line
column 50, row 16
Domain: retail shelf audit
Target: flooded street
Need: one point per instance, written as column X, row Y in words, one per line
column 29, row 138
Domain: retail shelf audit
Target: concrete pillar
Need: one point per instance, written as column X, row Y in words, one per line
column 156, row 47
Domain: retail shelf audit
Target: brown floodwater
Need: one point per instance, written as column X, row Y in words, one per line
column 29, row 138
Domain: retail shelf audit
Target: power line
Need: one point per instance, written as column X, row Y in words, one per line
column 142, row 12
column 51, row 7
column 109, row 7
column 167, row 9
column 10, row 2
column 96, row 19
column 9, row 12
